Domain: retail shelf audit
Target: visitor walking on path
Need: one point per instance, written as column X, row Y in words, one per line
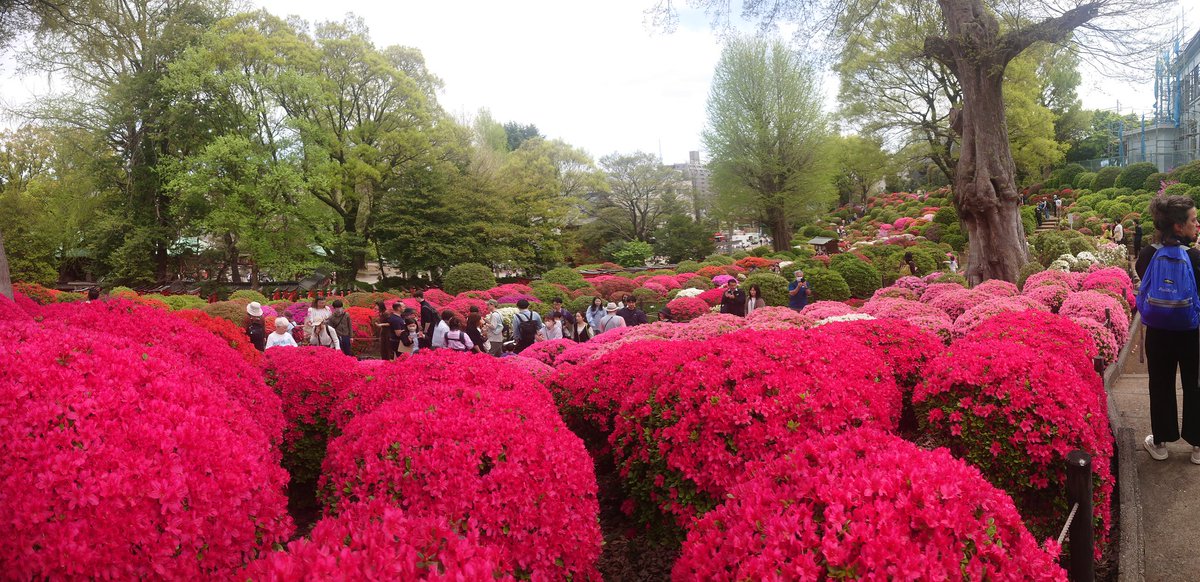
column 281, row 336
column 631, row 314
column 1057, row 206
column 583, row 329
column 526, row 325
column 1168, row 303
column 396, row 326
column 565, row 317
column 495, row 329
column 323, row 335
column 455, row 338
column 439, row 332
column 340, row 323
column 596, row 312
column 798, row 292
column 733, row 301
column 317, row 313
column 610, row 320
column 256, row 330
column 429, row 319
column 474, row 330
column 754, row 299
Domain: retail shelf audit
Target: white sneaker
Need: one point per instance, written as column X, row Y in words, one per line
column 1159, row 452
column 1196, row 455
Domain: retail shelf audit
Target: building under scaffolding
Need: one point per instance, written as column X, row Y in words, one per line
column 1171, row 137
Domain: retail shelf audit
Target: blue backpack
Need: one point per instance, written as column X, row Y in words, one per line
column 1167, row 297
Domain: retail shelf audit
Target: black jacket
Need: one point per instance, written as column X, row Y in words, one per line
column 735, row 305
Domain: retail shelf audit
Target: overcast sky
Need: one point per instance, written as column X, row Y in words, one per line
column 594, row 74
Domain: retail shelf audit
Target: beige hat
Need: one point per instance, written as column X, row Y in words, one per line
column 611, row 306
column 255, row 309
column 281, row 322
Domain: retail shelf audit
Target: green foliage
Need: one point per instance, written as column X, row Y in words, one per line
column 774, row 287
column 645, row 297
column 248, row 295
column 1081, row 243
column 1154, row 181
column 681, row 238
column 946, row 215
column 1188, row 173
column 1064, row 177
column 579, row 304
column 1048, row 245
column 563, row 276
column 1134, row 176
column 766, row 128
column 468, row 277
column 547, row 292
column 687, row 267
column 862, row 278
column 827, row 285
column 633, row 254
column 1085, row 180
column 1106, row 178
column 1030, row 268
column 951, row 278
column 698, row 282
column 760, row 251
column 719, row 259
column 1028, row 219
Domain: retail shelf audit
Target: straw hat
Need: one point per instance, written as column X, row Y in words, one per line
column 610, row 307
column 254, row 309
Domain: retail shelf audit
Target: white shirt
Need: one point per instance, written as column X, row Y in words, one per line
column 1118, row 233
column 315, row 315
column 495, row 327
column 611, row 321
column 280, row 339
column 458, row 341
column 325, row 336
column 552, row 332
column 439, row 335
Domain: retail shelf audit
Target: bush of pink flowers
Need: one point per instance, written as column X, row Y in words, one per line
column 1070, row 280
column 957, row 302
column 1041, row 333
column 684, row 309
column 1111, row 279
column 123, row 460
column 894, row 292
column 467, row 453
column 864, row 505
column 378, row 542
column 1050, row 295
column 990, row 308
column 1101, row 307
column 936, row 290
column 611, row 287
column 712, row 296
column 208, row 354
column 1107, row 346
column 680, row 443
column 509, row 289
column 438, row 297
column 915, row 284
column 903, row 346
column 778, row 318
column 657, row 288
column 997, row 288
column 462, row 307
column 668, row 282
column 821, row 309
column 308, row 379
column 540, row 371
column 1015, row 415
column 548, row 351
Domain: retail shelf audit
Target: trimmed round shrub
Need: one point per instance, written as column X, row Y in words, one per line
column 903, row 346
column 231, row 311
column 1015, row 414
column 125, row 460
column 248, row 295
column 377, row 542
column 563, row 276
column 864, row 505
column 1134, row 176
column 1106, row 177
column 774, row 287
column 778, row 318
column 826, row 285
column 956, row 301
column 235, row 337
column 467, row 453
column 684, row 309
column 1188, row 173
column 997, row 288
column 180, row 302
column 548, row 351
column 687, row 267
column 1100, row 307
column 308, row 380
column 466, row 277
column 1084, row 180
column 862, row 278
column 991, row 306
column 718, row 260
column 745, row 401
column 547, row 293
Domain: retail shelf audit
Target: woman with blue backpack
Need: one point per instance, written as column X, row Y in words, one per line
column 1170, row 310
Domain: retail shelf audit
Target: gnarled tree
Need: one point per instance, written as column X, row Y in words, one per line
column 976, row 40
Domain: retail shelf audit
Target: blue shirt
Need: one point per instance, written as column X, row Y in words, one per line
column 800, row 299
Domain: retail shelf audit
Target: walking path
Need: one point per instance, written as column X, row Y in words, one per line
column 1167, row 498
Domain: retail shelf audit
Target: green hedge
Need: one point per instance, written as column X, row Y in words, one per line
column 468, row 277
column 862, row 278
column 827, row 285
column 774, row 287
column 1134, row 176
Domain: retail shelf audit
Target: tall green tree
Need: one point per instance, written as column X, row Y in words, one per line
column 973, row 45
column 767, row 135
column 111, row 55
column 861, row 163
column 642, row 188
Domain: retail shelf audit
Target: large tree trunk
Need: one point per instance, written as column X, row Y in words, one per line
column 985, row 191
column 5, row 278
column 781, row 229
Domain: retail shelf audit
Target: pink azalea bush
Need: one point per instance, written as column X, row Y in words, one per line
column 904, row 347
column 681, row 442
column 668, row 282
column 821, row 309
column 308, row 379
column 1015, row 415
column 1111, row 279
column 1107, row 346
column 684, row 309
column 469, row 453
column 508, row 289
column 548, row 351
column 997, row 288
column 377, row 542
column 539, row 370
column 1067, row 279
column 1050, row 295
column 957, row 302
column 778, row 318
column 712, row 296
column 894, row 292
column 864, row 505
column 914, row 284
column 126, row 461
column 1100, row 307
column 936, row 290
column 1039, row 332
column 989, row 308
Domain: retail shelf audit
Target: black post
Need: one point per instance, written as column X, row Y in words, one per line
column 1098, row 364
column 1079, row 490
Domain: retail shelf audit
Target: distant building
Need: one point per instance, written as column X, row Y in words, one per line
column 695, row 186
column 1171, row 137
